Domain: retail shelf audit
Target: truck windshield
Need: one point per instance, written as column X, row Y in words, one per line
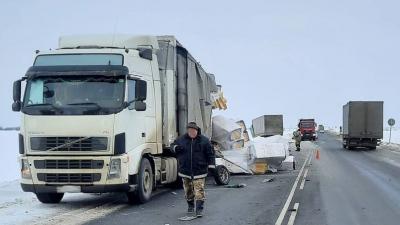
column 74, row 96
column 307, row 125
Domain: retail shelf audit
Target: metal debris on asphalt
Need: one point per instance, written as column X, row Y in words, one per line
column 268, row 180
column 236, row 185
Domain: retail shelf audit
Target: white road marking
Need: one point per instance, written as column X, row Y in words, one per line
column 291, row 194
column 304, row 179
column 293, row 214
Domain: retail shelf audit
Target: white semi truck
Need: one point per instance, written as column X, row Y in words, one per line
column 99, row 114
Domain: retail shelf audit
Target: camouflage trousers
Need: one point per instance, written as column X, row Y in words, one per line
column 194, row 189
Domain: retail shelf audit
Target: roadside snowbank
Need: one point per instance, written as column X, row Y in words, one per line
column 395, row 135
column 386, row 134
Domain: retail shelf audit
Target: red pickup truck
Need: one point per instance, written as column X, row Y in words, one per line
column 307, row 129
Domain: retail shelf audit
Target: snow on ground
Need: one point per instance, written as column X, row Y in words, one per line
column 395, row 140
column 395, row 135
column 9, row 166
column 18, row 207
column 386, row 134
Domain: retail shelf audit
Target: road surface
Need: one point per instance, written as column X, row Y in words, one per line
column 339, row 187
column 350, row 187
column 259, row 202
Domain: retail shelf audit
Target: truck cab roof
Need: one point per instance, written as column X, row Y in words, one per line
column 108, row 41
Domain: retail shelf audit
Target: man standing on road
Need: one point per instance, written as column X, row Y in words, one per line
column 195, row 155
column 297, row 139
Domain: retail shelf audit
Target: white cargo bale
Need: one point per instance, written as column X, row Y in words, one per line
column 279, row 139
column 263, row 150
column 225, row 130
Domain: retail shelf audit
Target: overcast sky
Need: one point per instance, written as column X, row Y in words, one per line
column 297, row 58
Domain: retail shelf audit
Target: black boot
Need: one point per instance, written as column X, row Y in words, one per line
column 190, row 210
column 199, row 208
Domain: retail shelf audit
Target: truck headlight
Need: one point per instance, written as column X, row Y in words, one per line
column 115, row 169
column 25, row 171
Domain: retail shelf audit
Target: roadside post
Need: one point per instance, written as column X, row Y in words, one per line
column 391, row 123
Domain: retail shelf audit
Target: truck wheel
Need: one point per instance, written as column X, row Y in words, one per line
column 145, row 184
column 50, row 198
column 222, row 175
column 372, row 148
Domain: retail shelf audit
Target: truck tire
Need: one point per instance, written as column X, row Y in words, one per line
column 222, row 175
column 50, row 198
column 372, row 148
column 144, row 185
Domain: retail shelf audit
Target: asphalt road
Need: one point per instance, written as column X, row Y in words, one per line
column 258, row 203
column 339, row 187
column 350, row 187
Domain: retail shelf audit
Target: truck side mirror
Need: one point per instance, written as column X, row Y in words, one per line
column 17, row 91
column 16, row 106
column 137, row 105
column 140, row 106
column 140, row 90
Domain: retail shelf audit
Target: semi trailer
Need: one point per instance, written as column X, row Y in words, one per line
column 362, row 124
column 100, row 112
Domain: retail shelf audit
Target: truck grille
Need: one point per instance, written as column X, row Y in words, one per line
column 67, row 144
column 68, row 164
column 69, row 177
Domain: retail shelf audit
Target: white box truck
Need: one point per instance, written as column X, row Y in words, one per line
column 362, row 124
column 267, row 125
column 100, row 112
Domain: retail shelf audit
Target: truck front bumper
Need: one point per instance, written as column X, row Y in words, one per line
column 42, row 188
column 59, row 179
column 308, row 136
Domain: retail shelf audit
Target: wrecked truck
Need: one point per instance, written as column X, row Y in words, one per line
column 100, row 112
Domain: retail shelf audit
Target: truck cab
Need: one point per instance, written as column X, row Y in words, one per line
column 95, row 118
column 307, row 129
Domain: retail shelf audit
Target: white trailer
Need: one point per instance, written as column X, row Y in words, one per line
column 100, row 112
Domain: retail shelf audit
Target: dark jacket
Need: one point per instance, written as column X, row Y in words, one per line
column 194, row 156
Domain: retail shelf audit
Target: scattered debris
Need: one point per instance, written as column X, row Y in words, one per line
column 173, row 192
column 236, row 185
column 272, row 170
column 187, row 218
column 268, row 180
